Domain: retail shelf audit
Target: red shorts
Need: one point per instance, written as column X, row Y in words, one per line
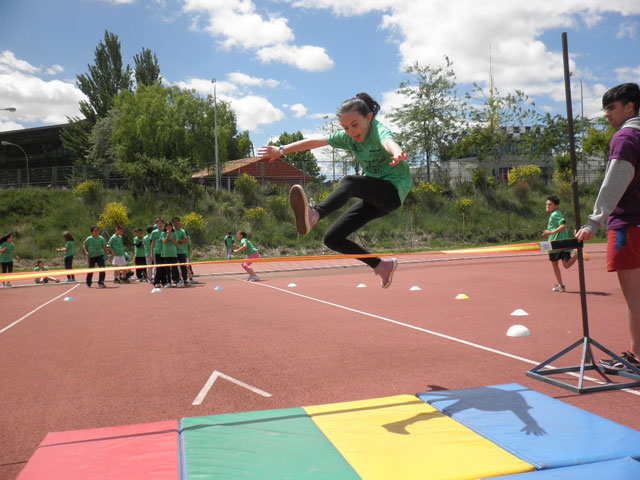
column 623, row 249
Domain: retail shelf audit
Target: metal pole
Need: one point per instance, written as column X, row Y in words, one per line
column 574, row 181
column 584, row 167
column 215, row 126
column 26, row 157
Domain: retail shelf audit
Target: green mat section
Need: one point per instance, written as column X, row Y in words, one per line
column 267, row 444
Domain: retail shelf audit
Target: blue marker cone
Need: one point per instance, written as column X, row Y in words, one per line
column 218, row 288
column 68, row 299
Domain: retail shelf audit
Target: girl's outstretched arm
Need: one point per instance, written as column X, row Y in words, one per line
column 395, row 151
column 239, row 249
column 271, row 152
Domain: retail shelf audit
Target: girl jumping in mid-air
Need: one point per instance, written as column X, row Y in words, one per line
column 383, row 187
column 251, row 251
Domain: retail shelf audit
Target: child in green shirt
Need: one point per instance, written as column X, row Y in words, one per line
column 7, row 255
column 69, row 246
column 41, row 267
column 381, row 189
column 557, row 230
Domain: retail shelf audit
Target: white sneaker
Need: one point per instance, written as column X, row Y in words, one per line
column 385, row 271
column 252, row 279
column 559, row 288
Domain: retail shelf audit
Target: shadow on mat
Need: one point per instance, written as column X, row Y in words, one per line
column 486, row 399
column 597, row 294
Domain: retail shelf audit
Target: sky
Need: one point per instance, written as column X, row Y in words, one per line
column 286, row 65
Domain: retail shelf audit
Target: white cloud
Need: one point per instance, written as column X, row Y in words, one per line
column 8, row 125
column 253, row 111
column 237, row 23
column 54, row 70
column 36, row 100
column 627, row 29
column 464, row 30
column 628, row 74
column 299, row 110
column 243, row 79
column 307, row 57
column 9, row 63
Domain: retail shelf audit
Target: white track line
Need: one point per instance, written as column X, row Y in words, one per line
column 36, row 309
column 441, row 335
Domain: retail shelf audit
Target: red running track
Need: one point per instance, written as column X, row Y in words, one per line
column 123, row 355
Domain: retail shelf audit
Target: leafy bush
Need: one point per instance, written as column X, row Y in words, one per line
column 257, row 216
column 481, row 180
column 279, row 207
column 90, row 191
column 528, row 174
column 194, row 223
column 463, row 205
column 115, row 213
column 247, row 187
column 428, row 194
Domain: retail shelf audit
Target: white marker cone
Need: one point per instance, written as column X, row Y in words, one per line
column 415, row 288
column 519, row 313
column 362, row 285
column 518, row 331
column 156, row 290
column 68, row 299
column 218, row 288
column 292, row 285
column 461, row 296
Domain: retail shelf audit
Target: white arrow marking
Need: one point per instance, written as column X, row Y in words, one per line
column 207, row 386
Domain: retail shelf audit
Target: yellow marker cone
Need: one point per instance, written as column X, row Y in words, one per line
column 461, row 296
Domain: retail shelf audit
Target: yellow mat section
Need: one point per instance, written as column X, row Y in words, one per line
column 401, row 437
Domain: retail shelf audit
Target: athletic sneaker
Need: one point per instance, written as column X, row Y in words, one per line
column 101, row 285
column 253, row 279
column 559, row 288
column 117, row 280
column 385, row 271
column 612, row 365
column 306, row 217
column 166, row 285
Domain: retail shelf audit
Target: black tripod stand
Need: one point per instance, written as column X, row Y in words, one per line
column 540, row 372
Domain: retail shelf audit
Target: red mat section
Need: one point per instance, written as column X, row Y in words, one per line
column 148, row 451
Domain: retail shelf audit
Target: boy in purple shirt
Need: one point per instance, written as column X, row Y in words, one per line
column 619, row 199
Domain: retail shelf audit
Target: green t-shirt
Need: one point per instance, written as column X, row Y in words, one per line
column 373, row 158
column 7, row 255
column 37, row 269
column 146, row 240
column 117, row 245
column 555, row 220
column 70, row 246
column 138, row 244
column 157, row 243
column 169, row 250
column 179, row 235
column 95, row 245
column 250, row 248
column 228, row 241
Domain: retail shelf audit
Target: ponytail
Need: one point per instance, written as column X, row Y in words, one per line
column 362, row 103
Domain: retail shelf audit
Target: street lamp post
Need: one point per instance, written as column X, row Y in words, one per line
column 333, row 152
column 26, row 157
column 215, row 127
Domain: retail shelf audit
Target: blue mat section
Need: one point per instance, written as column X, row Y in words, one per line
column 621, row 469
column 540, row 430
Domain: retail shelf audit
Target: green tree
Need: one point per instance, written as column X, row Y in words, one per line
column 489, row 134
column 104, row 80
column 304, row 160
column 428, row 118
column 162, row 131
column 598, row 137
column 147, row 70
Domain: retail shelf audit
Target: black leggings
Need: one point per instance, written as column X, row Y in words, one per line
column 378, row 198
column 7, row 267
column 68, row 265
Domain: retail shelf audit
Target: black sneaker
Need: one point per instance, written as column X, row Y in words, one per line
column 611, row 365
column 101, row 285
